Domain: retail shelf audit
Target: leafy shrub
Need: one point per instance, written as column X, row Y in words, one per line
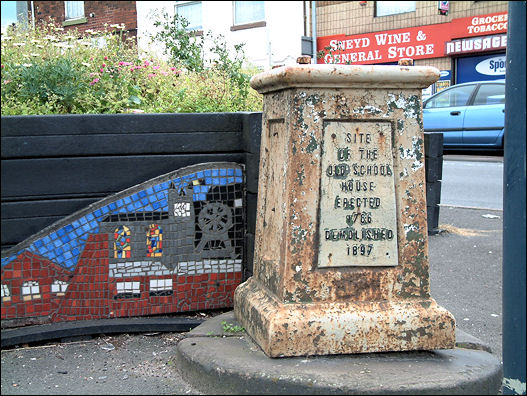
column 48, row 71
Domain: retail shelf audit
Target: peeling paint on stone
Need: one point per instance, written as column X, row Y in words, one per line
column 350, row 308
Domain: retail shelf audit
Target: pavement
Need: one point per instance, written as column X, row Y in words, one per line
column 465, row 275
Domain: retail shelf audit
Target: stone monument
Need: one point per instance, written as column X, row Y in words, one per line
column 341, row 252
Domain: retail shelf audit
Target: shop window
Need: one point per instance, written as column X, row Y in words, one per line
column 154, row 241
column 490, row 94
column 384, row 8
column 74, row 9
column 127, row 290
column 248, row 14
column 191, row 11
column 6, row 293
column 161, row 287
column 121, row 245
column 30, row 290
column 59, row 287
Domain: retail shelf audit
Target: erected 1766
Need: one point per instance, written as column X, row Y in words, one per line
column 341, row 252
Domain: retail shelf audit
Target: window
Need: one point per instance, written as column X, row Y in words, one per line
column 30, row 290
column 248, row 12
column 6, row 294
column 121, row 245
column 452, row 97
column 192, row 13
column 161, row 287
column 490, row 94
column 182, row 209
column 127, row 290
column 74, row 9
column 384, row 8
column 59, row 287
column 154, row 241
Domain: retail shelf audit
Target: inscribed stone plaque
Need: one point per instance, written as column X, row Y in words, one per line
column 358, row 223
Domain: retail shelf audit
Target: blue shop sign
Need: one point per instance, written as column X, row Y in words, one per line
column 477, row 68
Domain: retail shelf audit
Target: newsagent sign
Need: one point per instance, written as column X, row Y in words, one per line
column 421, row 42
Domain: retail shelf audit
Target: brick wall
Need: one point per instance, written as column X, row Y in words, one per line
column 349, row 17
column 104, row 12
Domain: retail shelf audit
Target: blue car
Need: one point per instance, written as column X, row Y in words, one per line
column 470, row 115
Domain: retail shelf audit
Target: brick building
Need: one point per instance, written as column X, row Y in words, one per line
column 84, row 15
column 456, row 39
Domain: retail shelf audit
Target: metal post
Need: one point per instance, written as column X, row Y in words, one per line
column 514, row 206
column 314, row 29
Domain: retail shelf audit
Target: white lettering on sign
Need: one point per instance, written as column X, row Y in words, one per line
column 494, row 23
column 357, row 213
column 492, row 66
column 476, row 44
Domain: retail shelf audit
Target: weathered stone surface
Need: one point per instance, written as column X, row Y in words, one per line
column 352, row 133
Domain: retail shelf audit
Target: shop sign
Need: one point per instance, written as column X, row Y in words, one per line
column 389, row 46
column 481, row 25
column 476, row 44
column 421, row 42
column 492, row 66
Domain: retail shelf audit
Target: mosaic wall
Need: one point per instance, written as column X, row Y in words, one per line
column 172, row 244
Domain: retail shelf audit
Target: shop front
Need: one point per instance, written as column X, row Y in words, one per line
column 474, row 48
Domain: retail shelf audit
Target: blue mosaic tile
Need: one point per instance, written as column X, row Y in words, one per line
column 38, row 243
column 113, row 205
column 238, row 172
column 68, row 228
column 65, row 239
column 214, row 172
column 145, row 201
column 223, row 172
column 83, row 220
column 127, row 200
column 239, row 180
column 61, row 232
column 97, row 213
column 202, row 197
column 199, row 174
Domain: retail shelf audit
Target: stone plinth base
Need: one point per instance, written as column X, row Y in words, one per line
column 216, row 361
column 341, row 327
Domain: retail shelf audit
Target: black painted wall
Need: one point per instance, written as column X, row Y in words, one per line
column 54, row 165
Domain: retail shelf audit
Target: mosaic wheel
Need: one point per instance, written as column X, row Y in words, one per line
column 215, row 218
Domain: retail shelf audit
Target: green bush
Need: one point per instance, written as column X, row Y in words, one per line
column 48, row 71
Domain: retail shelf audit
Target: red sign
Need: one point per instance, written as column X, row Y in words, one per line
column 421, row 42
column 481, row 25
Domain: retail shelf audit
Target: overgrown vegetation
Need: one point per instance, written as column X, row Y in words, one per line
column 46, row 70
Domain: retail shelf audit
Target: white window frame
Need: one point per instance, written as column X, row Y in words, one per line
column 73, row 10
column 30, row 290
column 6, row 293
column 160, row 284
column 237, row 18
column 181, row 4
column 386, row 8
column 59, row 287
column 128, row 287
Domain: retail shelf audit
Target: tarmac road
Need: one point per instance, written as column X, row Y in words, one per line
column 465, row 275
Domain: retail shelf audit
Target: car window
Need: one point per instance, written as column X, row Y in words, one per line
column 457, row 96
column 490, row 94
